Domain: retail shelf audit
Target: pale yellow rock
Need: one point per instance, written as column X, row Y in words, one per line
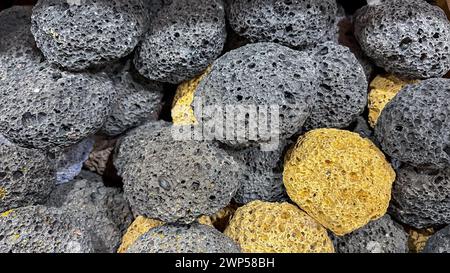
column 263, row 227
column 418, row 239
column 339, row 178
column 382, row 90
column 182, row 112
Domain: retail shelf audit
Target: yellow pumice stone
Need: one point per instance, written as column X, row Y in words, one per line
column 182, row 112
column 418, row 239
column 339, row 178
column 141, row 225
column 263, row 227
column 382, row 90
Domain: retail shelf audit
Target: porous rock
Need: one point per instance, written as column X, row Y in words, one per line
column 183, row 39
column 195, row 238
column 415, row 126
column 172, row 180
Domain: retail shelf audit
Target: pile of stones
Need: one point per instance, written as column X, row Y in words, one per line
column 225, row 126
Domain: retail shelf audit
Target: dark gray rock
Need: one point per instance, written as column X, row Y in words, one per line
column 43, row 107
column 27, row 176
column 17, row 46
column 77, row 34
column 184, row 38
column 409, row 38
column 259, row 75
column 421, row 197
column 415, row 126
column 439, row 242
column 195, row 238
column 379, row 236
column 101, row 211
column 296, row 23
column 172, row 180
column 362, row 127
column 342, row 95
column 39, row 229
column 138, row 101
column 263, row 175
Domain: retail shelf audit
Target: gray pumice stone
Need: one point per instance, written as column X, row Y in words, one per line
column 101, row 210
column 409, row 38
column 378, row 236
column 183, row 39
column 439, row 242
column 39, row 229
column 297, row 23
column 78, row 34
column 195, row 238
column 53, row 109
column 415, row 126
column 421, row 197
column 263, row 75
column 172, row 180
column 27, row 176
column 342, row 94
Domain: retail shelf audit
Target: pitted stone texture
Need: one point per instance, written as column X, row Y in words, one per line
column 409, row 38
column 70, row 161
column 297, row 23
column 263, row 176
column 421, row 197
column 342, row 95
column 339, row 178
column 38, row 229
column 80, row 34
column 27, row 176
column 263, row 227
column 379, row 236
column 184, row 38
column 259, row 75
column 195, row 238
column 439, row 242
column 49, row 109
column 17, row 46
column 171, row 180
column 415, row 126
column 138, row 101
column 101, row 211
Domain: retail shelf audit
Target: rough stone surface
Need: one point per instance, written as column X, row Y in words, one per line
column 409, row 38
column 98, row 158
column 339, row 178
column 263, row 177
column 439, row 242
column 17, row 46
column 261, row 74
column 78, row 34
column 342, row 95
column 27, row 176
column 297, row 23
column 53, row 109
column 382, row 90
column 101, row 211
column 38, row 229
column 421, row 197
column 195, row 238
column 70, row 161
column 184, row 38
column 415, row 126
column 138, row 101
column 262, row 227
column 142, row 225
column 171, row 180
column 379, row 236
